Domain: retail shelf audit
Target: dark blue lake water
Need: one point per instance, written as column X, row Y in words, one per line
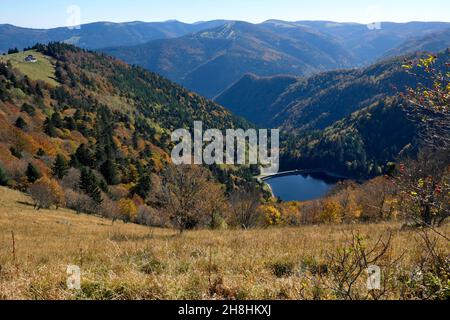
column 302, row 187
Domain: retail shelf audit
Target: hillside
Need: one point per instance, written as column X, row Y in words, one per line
column 43, row 69
column 233, row 50
column 359, row 146
column 100, row 127
column 99, row 34
column 251, row 97
column 346, row 121
column 318, row 101
column 126, row 261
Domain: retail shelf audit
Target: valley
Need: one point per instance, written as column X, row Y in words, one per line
column 93, row 121
column 275, row 48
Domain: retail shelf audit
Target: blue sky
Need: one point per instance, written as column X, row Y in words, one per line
column 51, row 13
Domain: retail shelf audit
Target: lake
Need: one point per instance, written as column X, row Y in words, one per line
column 301, row 187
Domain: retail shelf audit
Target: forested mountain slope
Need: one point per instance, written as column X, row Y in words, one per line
column 209, row 61
column 92, row 112
column 318, row 101
column 352, row 122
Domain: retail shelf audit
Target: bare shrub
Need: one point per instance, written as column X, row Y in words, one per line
column 427, row 104
column 118, row 192
column 430, row 280
column 347, row 268
column 377, row 199
column 244, row 206
column 71, row 180
column 80, row 202
column 189, row 195
column 46, row 193
column 151, row 217
column 109, row 209
column 16, row 170
column 311, row 211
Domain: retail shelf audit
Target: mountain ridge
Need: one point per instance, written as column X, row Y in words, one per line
column 232, row 50
column 273, row 47
column 100, row 34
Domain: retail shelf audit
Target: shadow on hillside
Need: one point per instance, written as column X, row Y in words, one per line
column 26, row 203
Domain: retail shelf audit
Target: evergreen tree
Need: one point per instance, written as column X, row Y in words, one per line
column 109, row 171
column 20, row 123
column 32, row 173
column 3, row 177
column 28, row 108
column 103, row 186
column 56, row 120
column 49, row 128
column 89, row 185
column 40, row 152
column 70, row 123
column 16, row 152
column 38, row 90
column 83, row 157
column 143, row 187
column 60, row 167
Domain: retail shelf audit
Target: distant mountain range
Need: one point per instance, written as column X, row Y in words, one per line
column 209, row 61
column 369, row 43
column 100, row 34
column 207, row 57
column 433, row 42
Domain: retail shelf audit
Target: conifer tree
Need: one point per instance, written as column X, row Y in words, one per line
column 89, row 185
column 32, row 173
column 60, row 167
column 109, row 171
column 3, row 177
column 83, row 157
column 49, row 128
column 56, row 120
column 143, row 187
column 20, row 123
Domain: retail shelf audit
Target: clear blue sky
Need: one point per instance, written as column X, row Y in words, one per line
column 51, row 13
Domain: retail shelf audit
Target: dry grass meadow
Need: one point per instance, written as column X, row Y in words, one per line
column 123, row 261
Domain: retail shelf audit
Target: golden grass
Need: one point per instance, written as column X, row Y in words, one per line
column 133, row 262
column 43, row 69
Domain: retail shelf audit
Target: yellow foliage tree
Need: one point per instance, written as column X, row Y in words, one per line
column 128, row 210
column 291, row 213
column 58, row 193
column 332, row 212
column 352, row 209
column 272, row 215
